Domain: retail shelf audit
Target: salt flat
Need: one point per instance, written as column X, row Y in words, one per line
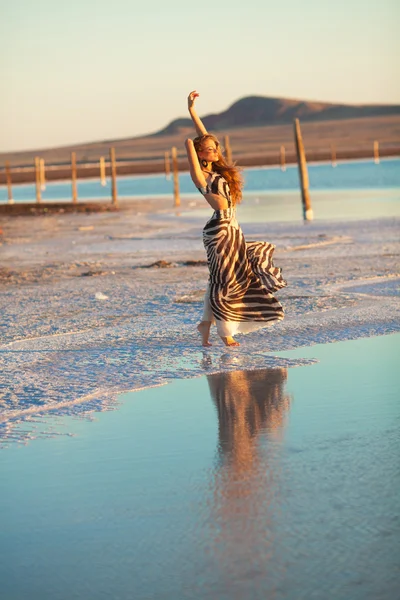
column 82, row 319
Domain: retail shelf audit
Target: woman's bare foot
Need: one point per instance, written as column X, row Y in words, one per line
column 229, row 341
column 204, row 329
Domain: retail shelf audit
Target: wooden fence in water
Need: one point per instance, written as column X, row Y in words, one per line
column 173, row 161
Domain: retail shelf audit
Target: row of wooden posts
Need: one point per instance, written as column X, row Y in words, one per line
column 40, row 178
column 301, row 160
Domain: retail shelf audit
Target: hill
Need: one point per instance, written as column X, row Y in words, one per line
column 257, row 111
column 257, row 126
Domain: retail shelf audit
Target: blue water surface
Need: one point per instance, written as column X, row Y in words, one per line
column 346, row 176
column 272, row 484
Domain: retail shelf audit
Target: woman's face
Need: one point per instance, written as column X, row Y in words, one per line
column 209, row 151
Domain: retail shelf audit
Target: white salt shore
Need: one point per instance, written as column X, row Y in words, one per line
column 82, row 321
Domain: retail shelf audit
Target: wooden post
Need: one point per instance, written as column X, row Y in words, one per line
column 376, row 152
column 228, row 150
column 37, row 174
column 282, row 158
column 42, row 175
column 114, row 198
column 103, row 180
column 303, row 173
column 73, row 177
column 167, row 166
column 9, row 186
column 333, row 155
column 175, row 173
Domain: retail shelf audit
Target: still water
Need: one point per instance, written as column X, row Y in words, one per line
column 271, row 484
column 354, row 175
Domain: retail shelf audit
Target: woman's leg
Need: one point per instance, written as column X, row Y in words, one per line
column 226, row 330
column 230, row 341
column 204, row 326
column 223, row 328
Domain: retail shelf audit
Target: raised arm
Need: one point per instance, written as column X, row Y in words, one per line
column 216, row 201
column 200, row 129
column 196, row 173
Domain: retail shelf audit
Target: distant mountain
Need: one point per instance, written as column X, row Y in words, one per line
column 380, row 122
column 256, row 111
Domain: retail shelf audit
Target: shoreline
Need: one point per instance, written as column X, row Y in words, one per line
column 62, row 172
column 140, row 189
column 83, row 319
column 128, row 204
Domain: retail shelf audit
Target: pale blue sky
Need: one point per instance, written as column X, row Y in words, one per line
column 86, row 70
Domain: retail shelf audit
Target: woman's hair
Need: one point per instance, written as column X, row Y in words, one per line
column 230, row 173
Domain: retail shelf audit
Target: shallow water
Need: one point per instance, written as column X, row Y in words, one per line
column 331, row 205
column 351, row 175
column 276, row 483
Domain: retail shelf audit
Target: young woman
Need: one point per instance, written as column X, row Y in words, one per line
column 241, row 274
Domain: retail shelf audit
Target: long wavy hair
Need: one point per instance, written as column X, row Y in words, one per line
column 230, row 172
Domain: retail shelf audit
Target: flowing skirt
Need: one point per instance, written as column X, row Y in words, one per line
column 242, row 278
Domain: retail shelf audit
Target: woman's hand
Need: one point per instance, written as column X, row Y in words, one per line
column 200, row 129
column 191, row 98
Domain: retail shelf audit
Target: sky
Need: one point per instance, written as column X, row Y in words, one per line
column 86, row 70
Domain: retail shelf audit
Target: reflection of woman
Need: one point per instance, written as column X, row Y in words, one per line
column 241, row 276
column 246, row 483
column 248, row 402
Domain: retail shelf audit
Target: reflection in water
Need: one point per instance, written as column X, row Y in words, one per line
column 252, row 407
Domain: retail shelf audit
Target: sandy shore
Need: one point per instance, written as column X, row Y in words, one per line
column 65, row 230
column 88, row 310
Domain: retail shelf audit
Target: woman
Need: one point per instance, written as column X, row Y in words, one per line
column 242, row 275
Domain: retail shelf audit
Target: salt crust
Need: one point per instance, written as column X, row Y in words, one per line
column 65, row 352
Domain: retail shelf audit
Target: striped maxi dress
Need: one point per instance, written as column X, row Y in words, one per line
column 242, row 275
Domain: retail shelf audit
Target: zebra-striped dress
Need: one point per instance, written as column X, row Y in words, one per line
column 242, row 274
